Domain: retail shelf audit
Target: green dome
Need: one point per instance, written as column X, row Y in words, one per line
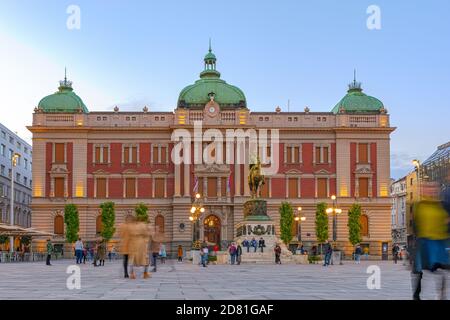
column 356, row 101
column 210, row 85
column 64, row 100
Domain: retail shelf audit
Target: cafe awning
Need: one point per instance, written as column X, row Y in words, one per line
column 17, row 231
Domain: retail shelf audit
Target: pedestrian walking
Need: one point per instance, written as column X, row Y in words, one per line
column 232, row 252
column 358, row 252
column 238, row 253
column 328, row 253
column 49, row 252
column 366, row 252
column 277, row 251
column 138, row 247
column 101, row 252
column 79, row 250
column 162, row 253
column 395, row 252
column 125, row 241
column 204, row 254
column 155, row 244
column 180, row 253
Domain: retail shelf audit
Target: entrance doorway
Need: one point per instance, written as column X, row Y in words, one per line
column 212, row 226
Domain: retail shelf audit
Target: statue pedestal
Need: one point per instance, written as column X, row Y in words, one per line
column 257, row 224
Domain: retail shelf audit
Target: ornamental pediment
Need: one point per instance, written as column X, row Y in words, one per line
column 363, row 170
column 129, row 172
column 160, row 172
column 59, row 169
column 212, row 169
column 293, row 172
column 100, row 172
column 322, row 172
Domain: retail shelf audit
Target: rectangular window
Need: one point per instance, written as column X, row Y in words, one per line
column 318, row 157
column 101, row 188
column 155, row 154
column 325, row 154
column 25, row 181
column 163, row 155
column 18, row 177
column 289, row 155
column 200, row 186
column 126, row 154
column 25, row 163
column 130, row 187
column 2, row 149
column 293, row 187
column 105, row 154
column 363, row 187
column 322, row 188
column 212, row 187
column 133, row 154
column 159, row 187
column 223, row 186
column 97, row 154
column 363, row 153
column 11, row 152
column 2, row 170
column 59, row 187
column 296, row 154
column 59, row 153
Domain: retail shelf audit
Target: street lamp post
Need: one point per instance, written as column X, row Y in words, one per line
column 14, row 158
column 418, row 166
column 299, row 220
column 334, row 210
column 196, row 210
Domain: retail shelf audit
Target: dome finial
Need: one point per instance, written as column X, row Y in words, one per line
column 65, row 74
column 354, row 86
column 65, row 84
column 210, row 50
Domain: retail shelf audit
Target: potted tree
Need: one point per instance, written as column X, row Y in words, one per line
column 72, row 222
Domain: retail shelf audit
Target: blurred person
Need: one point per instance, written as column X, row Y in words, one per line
column 125, row 234
column 358, row 252
column 162, row 253
column 101, row 252
column 49, row 252
column 366, row 252
column 155, row 243
column 246, row 244
column 180, row 253
column 138, row 248
column 395, row 252
column 432, row 238
column 204, row 254
column 254, row 244
column 328, row 252
column 277, row 251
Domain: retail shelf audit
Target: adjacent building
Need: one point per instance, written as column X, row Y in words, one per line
column 11, row 143
column 88, row 157
column 398, row 222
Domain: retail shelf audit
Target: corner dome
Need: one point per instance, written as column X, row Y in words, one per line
column 355, row 101
column 63, row 101
column 198, row 94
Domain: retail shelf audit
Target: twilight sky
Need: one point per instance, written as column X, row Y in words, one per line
column 136, row 53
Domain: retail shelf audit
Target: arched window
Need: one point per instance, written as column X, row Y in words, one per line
column 58, row 225
column 364, row 225
column 98, row 224
column 159, row 222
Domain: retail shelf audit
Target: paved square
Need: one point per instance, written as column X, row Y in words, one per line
column 186, row 281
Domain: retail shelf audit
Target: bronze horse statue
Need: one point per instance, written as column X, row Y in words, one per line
column 255, row 179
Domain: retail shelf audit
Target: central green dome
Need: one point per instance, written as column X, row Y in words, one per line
column 64, row 100
column 211, row 86
column 355, row 101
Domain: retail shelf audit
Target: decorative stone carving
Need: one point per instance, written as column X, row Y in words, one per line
column 145, row 109
column 116, row 109
column 306, row 110
column 278, row 110
column 256, row 209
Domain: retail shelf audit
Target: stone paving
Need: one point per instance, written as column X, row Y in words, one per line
column 186, row 281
